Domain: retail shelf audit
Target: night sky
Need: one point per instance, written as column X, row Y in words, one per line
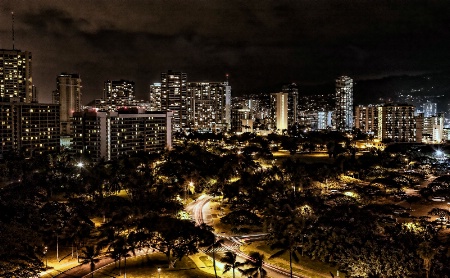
column 261, row 44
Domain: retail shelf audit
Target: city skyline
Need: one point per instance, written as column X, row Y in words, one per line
column 260, row 44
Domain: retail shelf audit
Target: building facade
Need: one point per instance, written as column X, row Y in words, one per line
column 396, row 123
column 118, row 93
column 429, row 109
column 366, row 118
column 113, row 134
column 173, row 96
column 433, row 128
column 207, row 105
column 344, row 103
column 155, row 97
column 279, row 102
column 239, row 119
column 16, row 76
column 292, row 103
column 68, row 95
column 29, row 128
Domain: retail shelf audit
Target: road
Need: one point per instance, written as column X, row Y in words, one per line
column 85, row 271
column 200, row 212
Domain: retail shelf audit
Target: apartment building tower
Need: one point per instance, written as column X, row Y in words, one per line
column 173, row 96
column 279, row 104
column 366, row 118
column 206, row 105
column 29, row 128
column 344, row 103
column 118, row 93
column 396, row 123
column 16, row 76
column 292, row 102
column 68, row 95
column 112, row 134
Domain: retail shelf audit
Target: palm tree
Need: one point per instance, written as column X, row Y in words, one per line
column 121, row 246
column 230, row 262
column 289, row 244
column 211, row 243
column 256, row 262
column 426, row 253
column 213, row 246
column 89, row 256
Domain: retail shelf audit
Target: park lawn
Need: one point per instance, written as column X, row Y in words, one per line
column 147, row 266
column 306, row 266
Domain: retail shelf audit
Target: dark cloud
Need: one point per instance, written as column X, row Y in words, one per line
column 259, row 43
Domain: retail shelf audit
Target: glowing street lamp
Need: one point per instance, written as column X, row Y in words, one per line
column 80, row 164
column 159, row 272
column 185, row 189
column 46, row 258
column 439, row 153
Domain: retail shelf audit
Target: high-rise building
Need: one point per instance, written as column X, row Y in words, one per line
column 366, row 118
column 396, row 123
column 155, row 97
column 323, row 120
column 433, row 128
column 15, row 76
column 206, row 105
column 173, row 96
column 429, row 109
column 292, row 102
column 29, row 128
column 279, row 102
column 68, row 95
column 118, row 93
column 241, row 119
column 113, row 134
column 344, row 103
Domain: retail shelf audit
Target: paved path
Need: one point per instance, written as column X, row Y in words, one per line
column 200, row 210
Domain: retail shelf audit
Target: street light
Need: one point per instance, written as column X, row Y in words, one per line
column 159, row 272
column 185, row 189
column 46, row 258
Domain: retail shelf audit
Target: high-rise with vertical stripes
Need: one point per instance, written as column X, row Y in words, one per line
column 173, row 96
column 68, row 95
column 344, row 103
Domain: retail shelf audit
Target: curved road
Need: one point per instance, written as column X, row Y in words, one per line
column 197, row 208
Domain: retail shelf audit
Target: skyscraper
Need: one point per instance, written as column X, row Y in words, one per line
column 433, row 128
column 292, row 101
column 280, row 110
column 15, row 75
column 155, row 97
column 118, row 93
column 207, row 105
column 29, row 128
column 344, row 103
column 68, row 95
column 366, row 118
column 429, row 109
column 173, row 96
column 396, row 123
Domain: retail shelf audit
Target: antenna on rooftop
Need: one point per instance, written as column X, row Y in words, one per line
column 12, row 27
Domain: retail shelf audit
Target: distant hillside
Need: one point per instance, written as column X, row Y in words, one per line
column 370, row 91
column 373, row 91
